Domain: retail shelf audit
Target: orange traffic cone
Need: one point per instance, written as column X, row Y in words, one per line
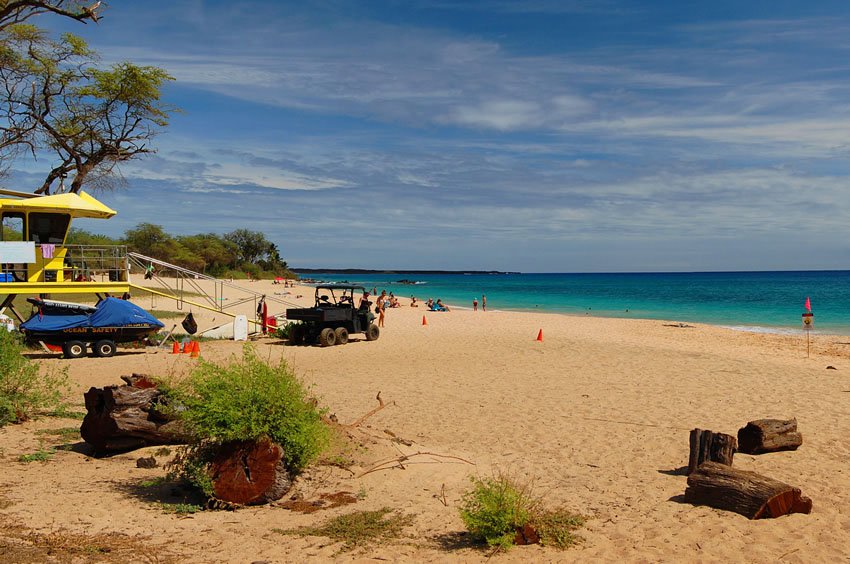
column 424, row 321
column 540, row 335
column 196, row 349
column 187, row 347
column 175, row 349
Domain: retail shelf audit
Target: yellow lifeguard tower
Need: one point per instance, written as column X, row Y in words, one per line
column 34, row 258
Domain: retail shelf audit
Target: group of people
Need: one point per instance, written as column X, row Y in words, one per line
column 386, row 301
column 382, row 303
column 436, row 306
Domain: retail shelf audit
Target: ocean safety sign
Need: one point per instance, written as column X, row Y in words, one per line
column 808, row 321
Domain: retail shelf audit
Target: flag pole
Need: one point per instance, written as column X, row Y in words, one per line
column 808, row 320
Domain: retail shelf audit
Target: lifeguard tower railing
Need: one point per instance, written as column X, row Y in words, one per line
column 112, row 270
column 90, row 263
column 187, row 287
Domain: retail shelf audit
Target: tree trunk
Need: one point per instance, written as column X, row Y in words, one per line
column 125, row 417
column 250, row 472
column 752, row 495
column 710, row 446
column 769, row 435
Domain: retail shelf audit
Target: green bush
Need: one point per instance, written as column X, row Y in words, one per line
column 495, row 508
column 284, row 331
column 247, row 399
column 23, row 390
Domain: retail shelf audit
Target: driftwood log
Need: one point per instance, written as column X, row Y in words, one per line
column 250, row 472
column 710, row 446
column 752, row 495
column 769, row 435
column 126, row 417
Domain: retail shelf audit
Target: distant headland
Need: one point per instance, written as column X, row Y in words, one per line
column 386, row 271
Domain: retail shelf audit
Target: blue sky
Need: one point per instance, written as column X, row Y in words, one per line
column 535, row 136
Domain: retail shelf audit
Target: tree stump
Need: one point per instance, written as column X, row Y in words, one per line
column 250, row 472
column 125, row 417
column 710, row 446
column 752, row 495
column 769, row 435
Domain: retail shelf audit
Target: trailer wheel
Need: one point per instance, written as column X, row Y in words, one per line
column 327, row 338
column 341, row 335
column 373, row 332
column 74, row 349
column 104, row 348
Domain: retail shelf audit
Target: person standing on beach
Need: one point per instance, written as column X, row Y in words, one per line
column 474, row 304
column 483, row 302
column 380, row 310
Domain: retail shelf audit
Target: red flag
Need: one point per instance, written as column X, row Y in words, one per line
column 808, row 304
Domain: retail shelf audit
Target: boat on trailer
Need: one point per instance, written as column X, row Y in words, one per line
column 76, row 327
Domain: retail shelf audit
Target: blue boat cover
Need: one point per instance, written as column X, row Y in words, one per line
column 111, row 312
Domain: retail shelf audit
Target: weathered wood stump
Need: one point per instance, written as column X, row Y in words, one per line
column 769, row 435
column 250, row 472
column 126, row 417
column 710, row 446
column 752, row 495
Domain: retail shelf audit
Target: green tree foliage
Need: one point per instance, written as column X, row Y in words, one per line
column 209, row 253
column 54, row 97
column 251, row 245
column 218, row 255
column 83, row 237
column 151, row 240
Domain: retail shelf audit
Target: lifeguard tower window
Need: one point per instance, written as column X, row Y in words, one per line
column 13, row 227
column 48, row 227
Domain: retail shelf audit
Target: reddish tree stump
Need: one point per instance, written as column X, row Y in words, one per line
column 710, row 446
column 769, row 435
column 250, row 472
column 526, row 535
column 126, row 417
column 752, row 495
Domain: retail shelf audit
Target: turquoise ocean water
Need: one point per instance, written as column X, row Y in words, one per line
column 757, row 301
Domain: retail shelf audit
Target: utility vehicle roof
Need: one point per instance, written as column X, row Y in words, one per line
column 340, row 286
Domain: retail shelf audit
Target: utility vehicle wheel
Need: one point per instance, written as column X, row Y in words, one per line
column 373, row 332
column 327, row 338
column 341, row 335
column 74, row 349
column 296, row 335
column 104, row 348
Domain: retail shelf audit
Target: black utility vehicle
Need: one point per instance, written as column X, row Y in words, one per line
column 337, row 313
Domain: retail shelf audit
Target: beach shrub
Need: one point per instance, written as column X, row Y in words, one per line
column 497, row 507
column 247, row 399
column 24, row 389
column 284, row 331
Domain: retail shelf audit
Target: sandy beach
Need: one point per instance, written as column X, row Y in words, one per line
column 596, row 415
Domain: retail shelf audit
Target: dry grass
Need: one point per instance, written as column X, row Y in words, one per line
column 358, row 529
column 20, row 545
